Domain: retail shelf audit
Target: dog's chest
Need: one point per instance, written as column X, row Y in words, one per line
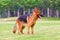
column 32, row 19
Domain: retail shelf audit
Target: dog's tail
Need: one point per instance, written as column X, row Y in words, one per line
column 15, row 28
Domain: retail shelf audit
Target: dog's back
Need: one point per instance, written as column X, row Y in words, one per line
column 24, row 18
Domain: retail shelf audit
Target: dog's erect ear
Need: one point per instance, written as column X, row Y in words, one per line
column 36, row 10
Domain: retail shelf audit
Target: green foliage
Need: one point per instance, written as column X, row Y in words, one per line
column 54, row 4
column 30, row 3
column 16, row 4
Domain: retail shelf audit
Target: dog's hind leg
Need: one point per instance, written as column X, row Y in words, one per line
column 22, row 29
column 19, row 26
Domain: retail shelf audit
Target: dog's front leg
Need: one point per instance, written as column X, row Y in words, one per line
column 28, row 26
column 32, row 28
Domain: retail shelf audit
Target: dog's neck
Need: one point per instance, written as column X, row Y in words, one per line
column 35, row 16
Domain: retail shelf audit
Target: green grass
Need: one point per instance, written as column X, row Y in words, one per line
column 50, row 19
column 44, row 30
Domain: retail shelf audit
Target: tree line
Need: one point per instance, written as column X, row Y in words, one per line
column 10, row 8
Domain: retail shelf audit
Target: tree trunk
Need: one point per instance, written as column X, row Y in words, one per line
column 50, row 12
column 42, row 11
column 14, row 12
column 57, row 13
column 47, row 12
column 8, row 13
column 23, row 11
column 29, row 11
column 18, row 13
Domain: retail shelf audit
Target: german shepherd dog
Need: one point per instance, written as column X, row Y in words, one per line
column 29, row 19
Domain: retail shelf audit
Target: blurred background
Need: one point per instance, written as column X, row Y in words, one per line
column 16, row 8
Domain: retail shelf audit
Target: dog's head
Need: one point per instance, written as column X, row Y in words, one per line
column 38, row 12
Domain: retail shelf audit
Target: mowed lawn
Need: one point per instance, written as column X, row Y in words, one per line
column 43, row 30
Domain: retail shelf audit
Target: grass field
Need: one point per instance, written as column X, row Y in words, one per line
column 44, row 30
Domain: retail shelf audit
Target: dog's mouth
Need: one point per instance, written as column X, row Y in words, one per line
column 40, row 16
